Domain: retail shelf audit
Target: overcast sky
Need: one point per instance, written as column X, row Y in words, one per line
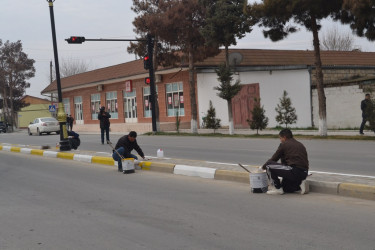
column 29, row 21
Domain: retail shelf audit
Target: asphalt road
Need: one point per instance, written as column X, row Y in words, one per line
column 338, row 156
column 59, row 204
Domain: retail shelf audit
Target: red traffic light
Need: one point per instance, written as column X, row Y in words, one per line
column 76, row 39
column 146, row 62
column 147, row 80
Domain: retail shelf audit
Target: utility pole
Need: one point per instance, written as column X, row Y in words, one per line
column 61, row 117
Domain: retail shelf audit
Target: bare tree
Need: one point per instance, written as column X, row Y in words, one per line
column 333, row 39
column 71, row 66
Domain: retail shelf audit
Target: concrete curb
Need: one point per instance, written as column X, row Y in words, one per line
column 336, row 188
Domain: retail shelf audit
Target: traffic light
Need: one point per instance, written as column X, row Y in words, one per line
column 146, row 62
column 147, row 80
column 76, row 39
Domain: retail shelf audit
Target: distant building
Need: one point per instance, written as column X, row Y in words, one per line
column 264, row 74
column 37, row 107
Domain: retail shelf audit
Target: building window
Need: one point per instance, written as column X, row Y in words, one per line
column 175, row 99
column 95, row 106
column 130, row 104
column 78, row 108
column 66, row 103
column 111, row 101
column 146, row 101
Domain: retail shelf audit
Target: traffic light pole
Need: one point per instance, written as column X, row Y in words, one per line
column 64, row 142
column 150, row 49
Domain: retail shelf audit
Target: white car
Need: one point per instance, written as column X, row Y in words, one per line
column 44, row 125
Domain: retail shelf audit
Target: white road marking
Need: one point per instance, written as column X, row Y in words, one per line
column 352, row 175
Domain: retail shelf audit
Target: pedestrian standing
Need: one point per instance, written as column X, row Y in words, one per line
column 367, row 112
column 71, row 120
column 103, row 117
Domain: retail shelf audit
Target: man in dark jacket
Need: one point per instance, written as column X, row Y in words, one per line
column 293, row 167
column 104, row 123
column 124, row 147
column 367, row 109
column 74, row 140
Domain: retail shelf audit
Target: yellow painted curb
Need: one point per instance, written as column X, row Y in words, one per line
column 157, row 166
column 357, row 190
column 229, row 175
column 15, row 149
column 36, row 152
column 103, row 160
column 1, row 147
column 68, row 156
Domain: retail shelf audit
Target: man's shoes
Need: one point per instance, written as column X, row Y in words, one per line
column 275, row 191
column 361, row 133
column 119, row 170
column 304, row 187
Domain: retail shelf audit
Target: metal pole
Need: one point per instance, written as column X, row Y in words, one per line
column 64, row 142
column 150, row 49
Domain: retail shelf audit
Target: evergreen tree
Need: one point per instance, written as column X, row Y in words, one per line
column 286, row 113
column 259, row 120
column 210, row 120
column 227, row 91
column 225, row 22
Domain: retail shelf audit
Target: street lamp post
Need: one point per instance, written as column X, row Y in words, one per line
column 61, row 117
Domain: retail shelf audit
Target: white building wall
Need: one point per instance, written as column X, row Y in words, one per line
column 343, row 106
column 271, row 87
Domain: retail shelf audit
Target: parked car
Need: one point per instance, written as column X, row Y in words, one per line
column 44, row 125
column 3, row 127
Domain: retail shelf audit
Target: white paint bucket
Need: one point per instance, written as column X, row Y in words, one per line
column 128, row 166
column 160, row 153
column 259, row 182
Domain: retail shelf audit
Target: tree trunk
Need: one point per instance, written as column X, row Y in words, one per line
column 5, row 103
column 230, row 115
column 13, row 122
column 194, row 124
column 227, row 55
column 319, row 80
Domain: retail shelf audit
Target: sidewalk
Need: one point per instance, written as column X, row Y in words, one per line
column 346, row 185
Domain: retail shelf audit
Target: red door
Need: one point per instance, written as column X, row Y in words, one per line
column 243, row 104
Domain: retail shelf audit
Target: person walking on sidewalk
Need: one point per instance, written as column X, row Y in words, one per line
column 124, row 147
column 293, row 167
column 367, row 112
column 103, row 117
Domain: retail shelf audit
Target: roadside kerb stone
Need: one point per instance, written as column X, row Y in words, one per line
column 63, row 155
column 157, row 166
column 82, row 158
column 37, row 152
column 26, row 150
column 51, row 154
column 357, row 191
column 323, row 187
column 103, row 160
column 228, row 175
column 15, row 149
column 203, row 172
